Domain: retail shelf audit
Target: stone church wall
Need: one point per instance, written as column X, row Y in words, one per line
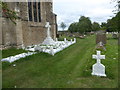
column 33, row 34
column 8, row 33
column 27, row 32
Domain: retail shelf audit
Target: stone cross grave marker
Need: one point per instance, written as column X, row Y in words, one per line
column 48, row 40
column 98, row 69
column 48, row 30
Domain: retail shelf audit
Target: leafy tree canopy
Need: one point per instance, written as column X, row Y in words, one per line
column 84, row 25
column 95, row 26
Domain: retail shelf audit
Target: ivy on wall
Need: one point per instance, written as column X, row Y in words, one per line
column 7, row 13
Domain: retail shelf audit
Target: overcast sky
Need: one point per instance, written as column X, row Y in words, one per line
column 69, row 11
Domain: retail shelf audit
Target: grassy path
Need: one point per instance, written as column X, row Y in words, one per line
column 70, row 68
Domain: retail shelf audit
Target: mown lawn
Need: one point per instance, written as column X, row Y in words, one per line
column 11, row 52
column 70, row 68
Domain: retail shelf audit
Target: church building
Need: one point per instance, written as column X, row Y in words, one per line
column 30, row 27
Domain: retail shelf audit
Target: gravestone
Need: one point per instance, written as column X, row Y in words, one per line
column 98, row 69
column 71, row 40
column 75, row 40
column 114, row 36
column 107, row 32
column 65, row 40
column 101, row 37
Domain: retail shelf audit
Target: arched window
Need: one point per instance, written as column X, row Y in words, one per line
column 30, row 11
column 39, row 12
column 34, row 9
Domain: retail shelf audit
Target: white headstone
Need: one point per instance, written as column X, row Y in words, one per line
column 98, row 68
column 71, row 40
column 65, row 40
column 75, row 40
column 107, row 33
column 56, row 39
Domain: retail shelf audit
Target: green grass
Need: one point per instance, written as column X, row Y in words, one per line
column 70, row 68
column 11, row 52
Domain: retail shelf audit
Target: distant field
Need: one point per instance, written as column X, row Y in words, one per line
column 70, row 68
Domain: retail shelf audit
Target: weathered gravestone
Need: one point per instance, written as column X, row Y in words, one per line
column 114, row 36
column 101, row 37
column 98, row 69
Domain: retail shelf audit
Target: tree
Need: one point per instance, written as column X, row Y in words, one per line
column 95, row 26
column 63, row 25
column 112, row 24
column 85, row 24
column 103, row 25
column 73, row 27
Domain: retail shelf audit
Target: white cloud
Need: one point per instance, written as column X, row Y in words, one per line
column 69, row 11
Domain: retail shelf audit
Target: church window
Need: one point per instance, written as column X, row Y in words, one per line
column 30, row 10
column 34, row 9
column 39, row 12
